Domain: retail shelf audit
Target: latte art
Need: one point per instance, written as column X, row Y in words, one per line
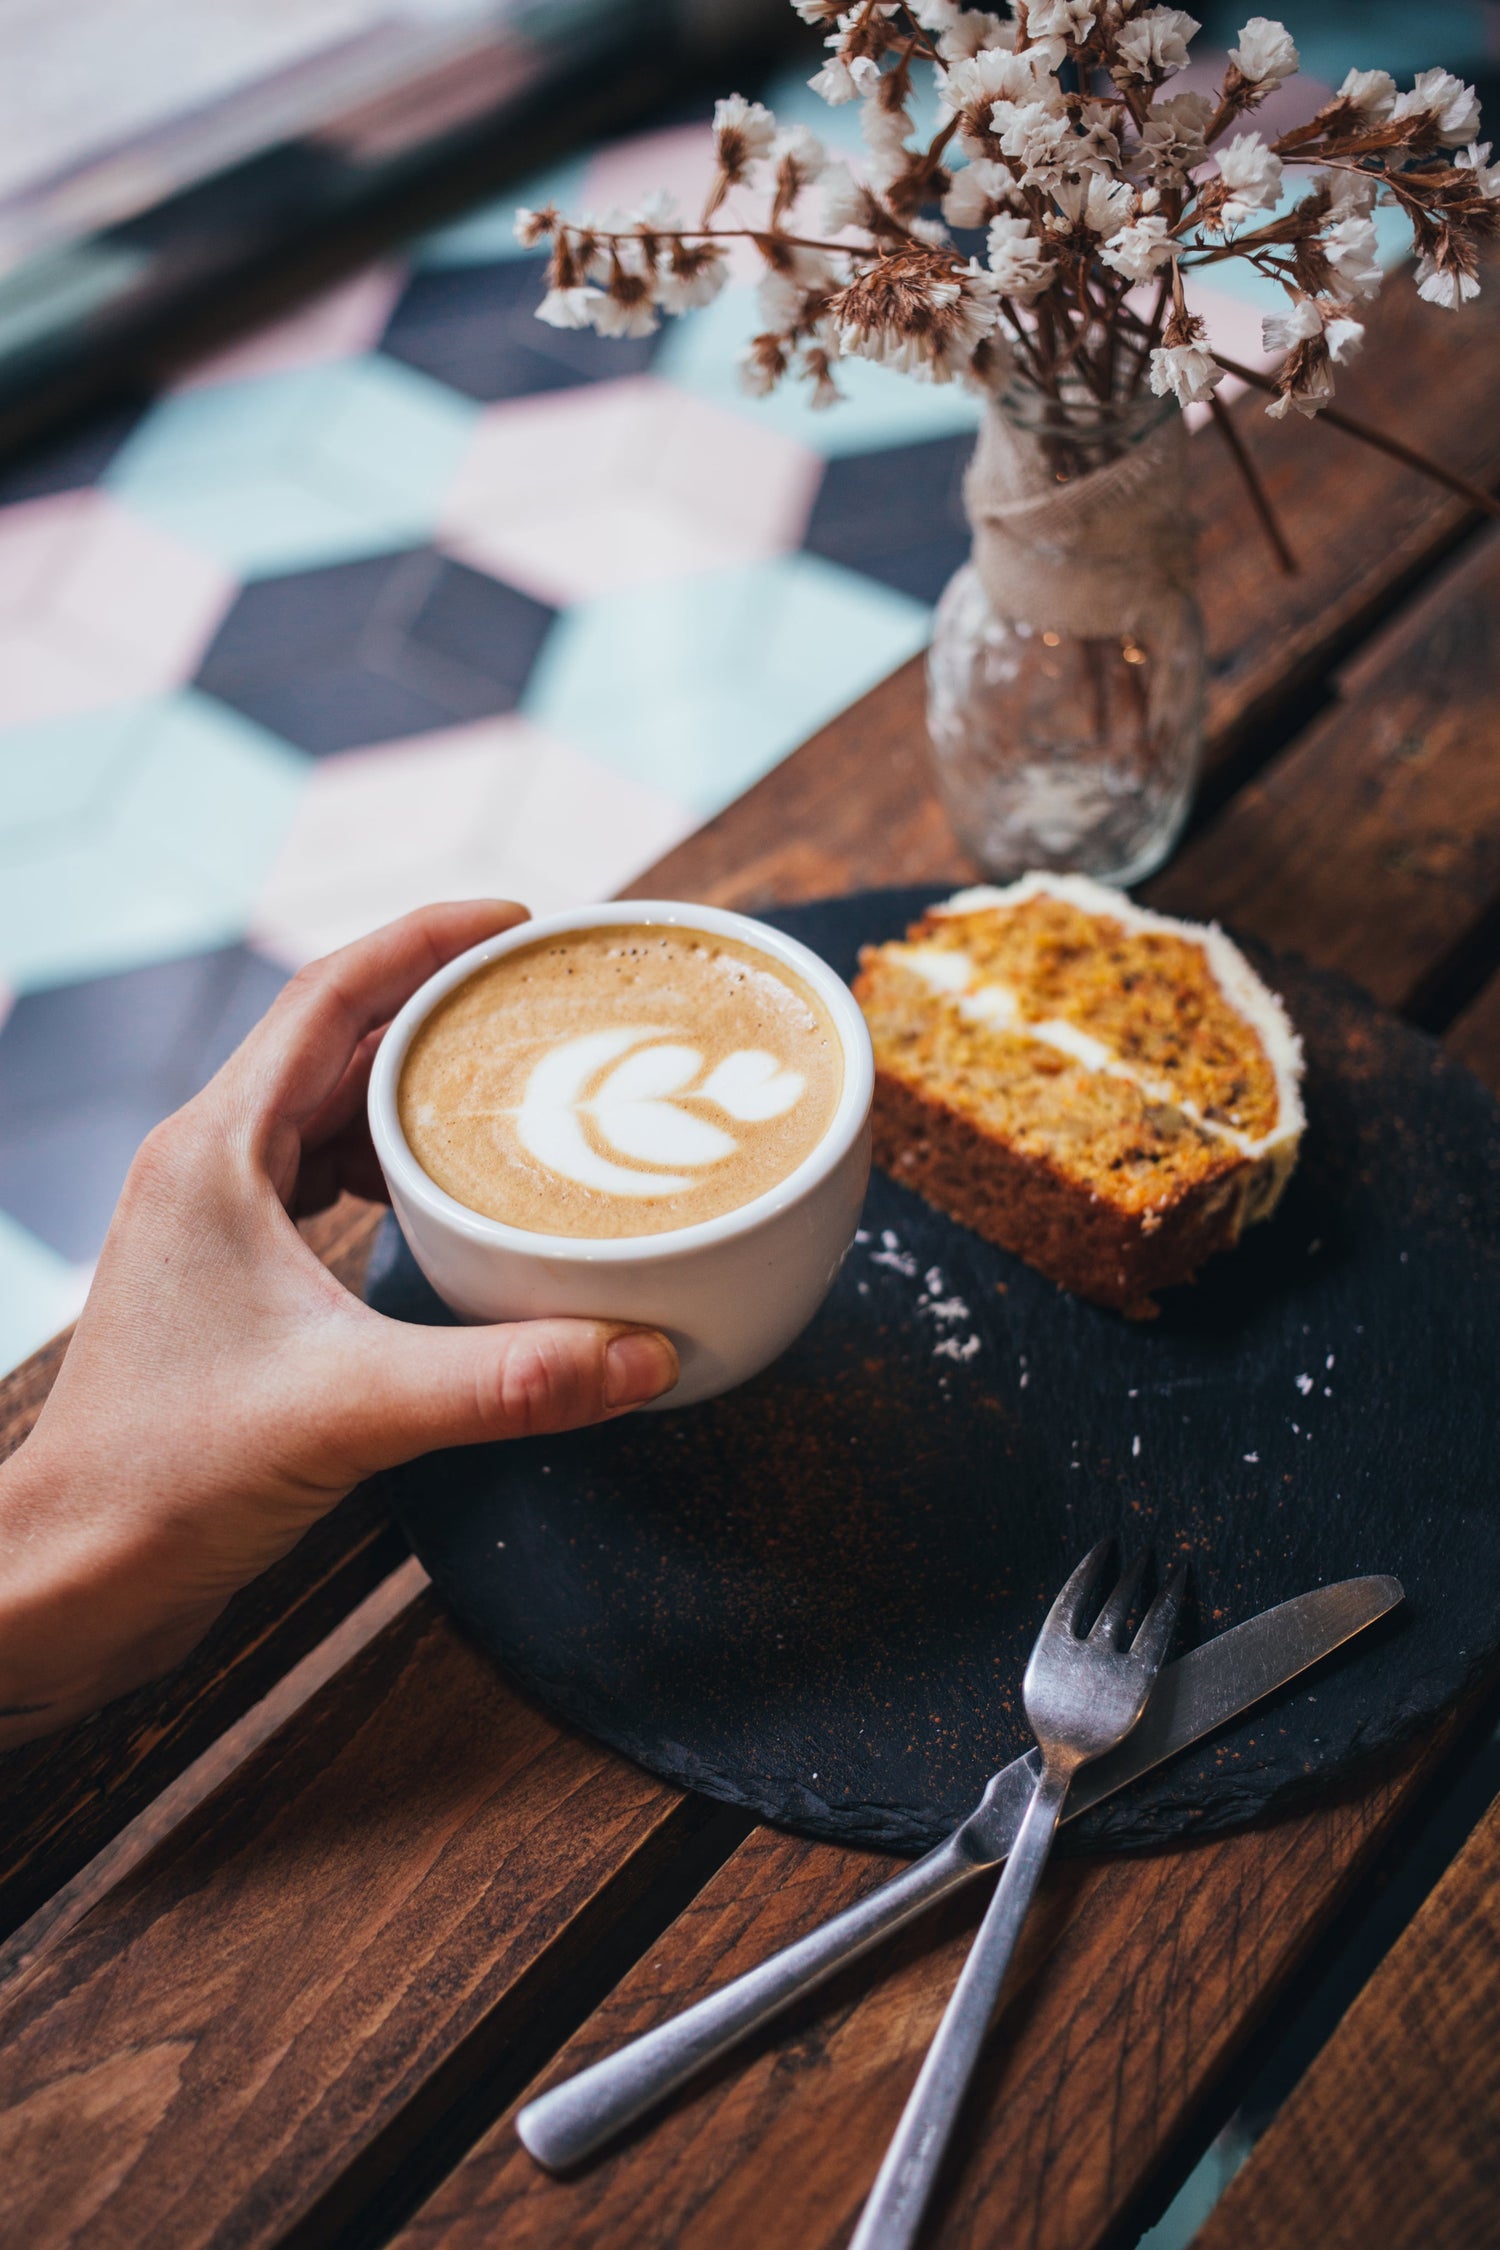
column 620, row 1081
column 638, row 1108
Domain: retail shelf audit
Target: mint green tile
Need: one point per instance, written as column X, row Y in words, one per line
column 39, row 1293
column 696, row 688
column 169, row 858
column 292, row 470
column 43, row 798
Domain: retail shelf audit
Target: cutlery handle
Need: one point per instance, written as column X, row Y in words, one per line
column 569, row 2122
column 892, row 2215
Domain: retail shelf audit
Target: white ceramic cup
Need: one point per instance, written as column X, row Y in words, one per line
column 732, row 1292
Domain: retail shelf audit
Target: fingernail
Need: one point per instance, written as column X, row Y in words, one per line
column 638, row 1366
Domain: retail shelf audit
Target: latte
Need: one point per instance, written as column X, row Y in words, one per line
column 620, row 1080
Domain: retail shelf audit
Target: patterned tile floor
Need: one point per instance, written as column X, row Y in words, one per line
column 407, row 595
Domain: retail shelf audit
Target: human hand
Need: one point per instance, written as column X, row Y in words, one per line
column 223, row 1390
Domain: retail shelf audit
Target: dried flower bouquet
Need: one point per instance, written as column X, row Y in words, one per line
column 1066, row 673
column 1097, row 188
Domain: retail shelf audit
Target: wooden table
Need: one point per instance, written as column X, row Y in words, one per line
column 307, row 1917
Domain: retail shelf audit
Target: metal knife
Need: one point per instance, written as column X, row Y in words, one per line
column 1193, row 1697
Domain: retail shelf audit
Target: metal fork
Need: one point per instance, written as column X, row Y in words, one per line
column 1082, row 1698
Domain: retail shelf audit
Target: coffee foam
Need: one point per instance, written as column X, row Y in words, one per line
column 618, row 1081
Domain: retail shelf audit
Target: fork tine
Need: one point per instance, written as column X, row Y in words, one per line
column 1069, row 1605
column 1110, row 1622
column 1150, row 1643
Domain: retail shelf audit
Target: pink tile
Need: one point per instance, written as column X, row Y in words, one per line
column 97, row 606
column 585, row 492
column 380, row 831
column 338, row 324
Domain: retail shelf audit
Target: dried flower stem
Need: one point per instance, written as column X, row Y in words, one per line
column 1475, row 494
column 1260, row 499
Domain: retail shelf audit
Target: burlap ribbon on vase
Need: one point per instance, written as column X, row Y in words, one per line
column 1090, row 557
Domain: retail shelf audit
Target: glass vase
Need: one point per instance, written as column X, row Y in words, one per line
column 1065, row 681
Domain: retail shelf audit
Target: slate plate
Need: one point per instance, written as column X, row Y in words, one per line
column 815, row 1597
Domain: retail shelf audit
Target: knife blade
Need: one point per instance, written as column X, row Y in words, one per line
column 1198, row 1694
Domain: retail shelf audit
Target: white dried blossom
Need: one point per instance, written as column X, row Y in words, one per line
column 533, row 227
column 1371, row 91
column 1476, row 159
column 1060, row 19
column 1154, row 43
column 1189, row 371
column 1016, row 258
column 800, row 145
column 976, row 189
column 995, row 74
column 614, row 316
column 1350, row 246
column 834, row 84
column 935, row 15
column 1280, row 332
column 1266, row 54
column 844, row 199
column 1252, row 174
column 1094, row 204
column 744, row 133
column 691, row 276
column 1139, row 250
column 929, row 325
column 1445, row 285
column 885, row 132
column 1172, row 138
column 1097, row 146
column 1453, row 106
column 1031, row 134
column 1351, row 195
column 974, row 30
column 570, row 308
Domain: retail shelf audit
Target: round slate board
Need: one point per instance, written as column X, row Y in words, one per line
column 815, row 1597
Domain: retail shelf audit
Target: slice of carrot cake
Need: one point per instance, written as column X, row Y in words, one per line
column 1109, row 1093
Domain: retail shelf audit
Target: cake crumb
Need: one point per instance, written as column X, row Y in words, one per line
column 1304, row 1385
column 949, row 1347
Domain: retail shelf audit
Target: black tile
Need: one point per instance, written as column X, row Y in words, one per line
column 896, row 516
column 475, row 328
column 373, row 650
column 70, row 459
column 87, row 1069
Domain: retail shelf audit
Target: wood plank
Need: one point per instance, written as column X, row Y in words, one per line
column 856, row 805
column 1393, row 796
column 1139, row 1978
column 64, row 1797
column 1157, row 1970
column 1393, row 2136
column 380, row 1901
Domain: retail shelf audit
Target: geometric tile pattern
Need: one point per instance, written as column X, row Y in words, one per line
column 366, row 651
column 584, row 492
column 407, row 595
column 699, row 686
column 87, row 1069
column 133, row 834
column 475, row 329
column 97, row 606
column 306, row 466
column 498, row 809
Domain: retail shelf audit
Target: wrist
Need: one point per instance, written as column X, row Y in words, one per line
column 77, row 1621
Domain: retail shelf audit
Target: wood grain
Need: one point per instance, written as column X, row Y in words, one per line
column 64, row 1797
column 1393, row 796
column 1137, row 1981
column 1393, row 2136
column 377, row 1902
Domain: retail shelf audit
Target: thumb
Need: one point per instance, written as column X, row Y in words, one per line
column 430, row 1387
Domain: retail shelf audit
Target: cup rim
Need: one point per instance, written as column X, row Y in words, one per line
column 417, row 1187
